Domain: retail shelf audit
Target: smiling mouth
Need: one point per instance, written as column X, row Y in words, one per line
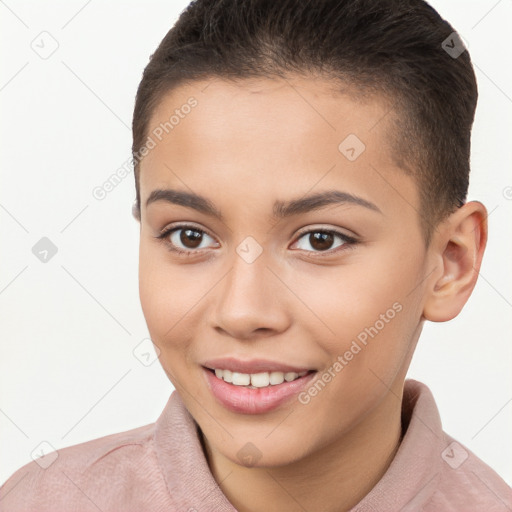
column 256, row 380
column 256, row 393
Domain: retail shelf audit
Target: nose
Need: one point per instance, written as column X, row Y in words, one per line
column 252, row 300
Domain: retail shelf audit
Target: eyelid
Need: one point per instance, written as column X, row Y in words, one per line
column 183, row 225
column 353, row 237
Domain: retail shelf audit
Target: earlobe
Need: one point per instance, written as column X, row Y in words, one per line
column 460, row 245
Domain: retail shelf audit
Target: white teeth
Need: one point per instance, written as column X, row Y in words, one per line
column 257, row 380
column 276, row 378
column 260, row 380
column 241, row 379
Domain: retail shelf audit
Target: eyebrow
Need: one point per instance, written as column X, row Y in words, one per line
column 280, row 209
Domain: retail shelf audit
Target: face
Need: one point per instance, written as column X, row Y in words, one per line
column 305, row 253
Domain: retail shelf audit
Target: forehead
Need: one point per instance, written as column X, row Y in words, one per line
column 269, row 113
column 270, row 134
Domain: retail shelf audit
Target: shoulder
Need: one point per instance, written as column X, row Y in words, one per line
column 83, row 475
column 468, row 483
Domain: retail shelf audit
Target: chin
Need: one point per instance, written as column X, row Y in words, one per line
column 265, row 454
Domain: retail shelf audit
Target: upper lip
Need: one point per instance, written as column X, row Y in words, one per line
column 252, row 365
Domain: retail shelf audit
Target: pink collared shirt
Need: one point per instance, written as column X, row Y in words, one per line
column 162, row 467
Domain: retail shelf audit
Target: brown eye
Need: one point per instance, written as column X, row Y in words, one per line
column 323, row 240
column 184, row 239
column 190, row 238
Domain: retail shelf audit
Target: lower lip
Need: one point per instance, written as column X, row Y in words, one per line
column 254, row 401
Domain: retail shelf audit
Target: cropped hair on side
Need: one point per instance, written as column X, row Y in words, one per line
column 392, row 49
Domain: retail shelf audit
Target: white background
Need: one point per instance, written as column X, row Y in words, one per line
column 68, row 327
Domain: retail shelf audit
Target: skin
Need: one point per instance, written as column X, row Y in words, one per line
column 245, row 145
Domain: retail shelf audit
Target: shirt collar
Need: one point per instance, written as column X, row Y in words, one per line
column 183, row 463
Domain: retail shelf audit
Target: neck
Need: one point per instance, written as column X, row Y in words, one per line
column 332, row 479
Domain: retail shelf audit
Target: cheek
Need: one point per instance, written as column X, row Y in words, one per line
column 167, row 303
column 165, row 295
column 370, row 312
column 350, row 298
column 372, row 324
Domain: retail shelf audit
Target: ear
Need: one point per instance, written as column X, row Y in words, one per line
column 135, row 212
column 458, row 247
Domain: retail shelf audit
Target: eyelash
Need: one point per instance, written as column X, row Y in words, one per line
column 349, row 242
